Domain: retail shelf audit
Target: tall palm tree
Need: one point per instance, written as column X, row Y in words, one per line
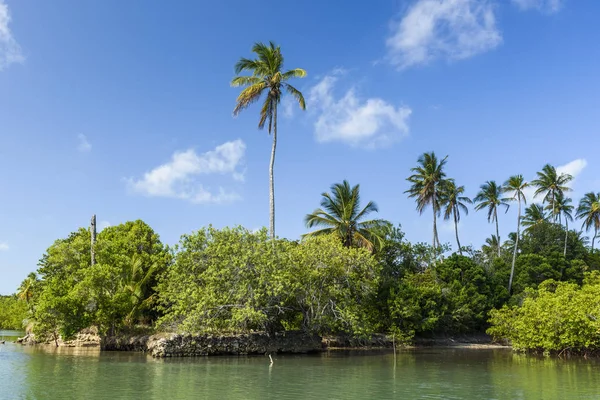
column 490, row 198
column 269, row 78
column 534, row 215
column 551, row 184
column 427, row 181
column 563, row 208
column 515, row 186
column 589, row 211
column 453, row 200
column 340, row 214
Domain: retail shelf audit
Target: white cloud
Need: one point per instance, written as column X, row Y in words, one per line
column 443, row 29
column 549, row 6
column 179, row 177
column 4, row 246
column 83, row 145
column 371, row 122
column 574, row 168
column 103, row 224
column 10, row 51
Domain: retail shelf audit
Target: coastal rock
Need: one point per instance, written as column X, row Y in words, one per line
column 28, row 339
column 86, row 338
column 125, row 343
column 186, row 345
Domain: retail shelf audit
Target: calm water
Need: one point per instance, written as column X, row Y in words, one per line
column 47, row 373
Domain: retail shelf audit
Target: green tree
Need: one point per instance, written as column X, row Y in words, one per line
column 72, row 294
column 427, row 183
column 13, row 312
column 550, row 183
column 534, row 215
column 268, row 77
column 589, row 211
column 234, row 280
column 515, row 186
column 65, row 303
column 547, row 239
column 451, row 298
column 340, row 214
column 453, row 201
column 563, row 208
column 558, row 317
column 490, row 198
column 491, row 247
column 135, row 286
column 26, row 290
column 510, row 243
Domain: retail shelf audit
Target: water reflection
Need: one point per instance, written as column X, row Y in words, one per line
column 50, row 373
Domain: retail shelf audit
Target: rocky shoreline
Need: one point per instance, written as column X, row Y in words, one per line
column 164, row 345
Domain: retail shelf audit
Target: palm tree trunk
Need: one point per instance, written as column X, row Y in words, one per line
column 566, row 237
column 512, row 268
column 594, row 238
column 434, row 222
column 497, row 230
column 552, row 207
column 456, row 232
column 271, row 178
column 93, row 243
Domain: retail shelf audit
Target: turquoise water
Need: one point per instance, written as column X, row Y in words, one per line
column 50, row 373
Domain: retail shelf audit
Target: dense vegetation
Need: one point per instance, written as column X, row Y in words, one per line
column 12, row 312
column 558, row 317
column 539, row 288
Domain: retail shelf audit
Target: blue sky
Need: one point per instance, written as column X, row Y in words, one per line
column 123, row 109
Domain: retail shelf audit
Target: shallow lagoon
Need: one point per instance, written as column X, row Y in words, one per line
column 452, row 373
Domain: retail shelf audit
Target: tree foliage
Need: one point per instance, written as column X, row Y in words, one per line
column 13, row 312
column 559, row 316
column 236, row 280
column 113, row 294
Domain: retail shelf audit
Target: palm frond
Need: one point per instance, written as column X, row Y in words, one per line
column 245, row 81
column 296, row 94
column 294, row 73
column 248, row 96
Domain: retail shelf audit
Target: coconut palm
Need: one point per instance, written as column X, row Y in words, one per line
column 491, row 246
column 511, row 242
column 534, row 215
column 589, row 211
column 563, row 208
column 427, row 182
column 27, row 288
column 267, row 78
column 515, row 186
column 453, row 200
column 490, row 198
column 340, row 214
column 135, row 286
column 550, row 183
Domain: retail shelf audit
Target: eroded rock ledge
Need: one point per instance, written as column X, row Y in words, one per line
column 187, row 345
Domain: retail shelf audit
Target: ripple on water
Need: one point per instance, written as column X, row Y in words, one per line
column 50, row 373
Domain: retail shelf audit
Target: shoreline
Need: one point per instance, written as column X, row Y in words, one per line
column 165, row 345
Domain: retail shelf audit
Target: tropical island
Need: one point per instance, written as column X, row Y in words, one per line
column 539, row 289
column 355, row 276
